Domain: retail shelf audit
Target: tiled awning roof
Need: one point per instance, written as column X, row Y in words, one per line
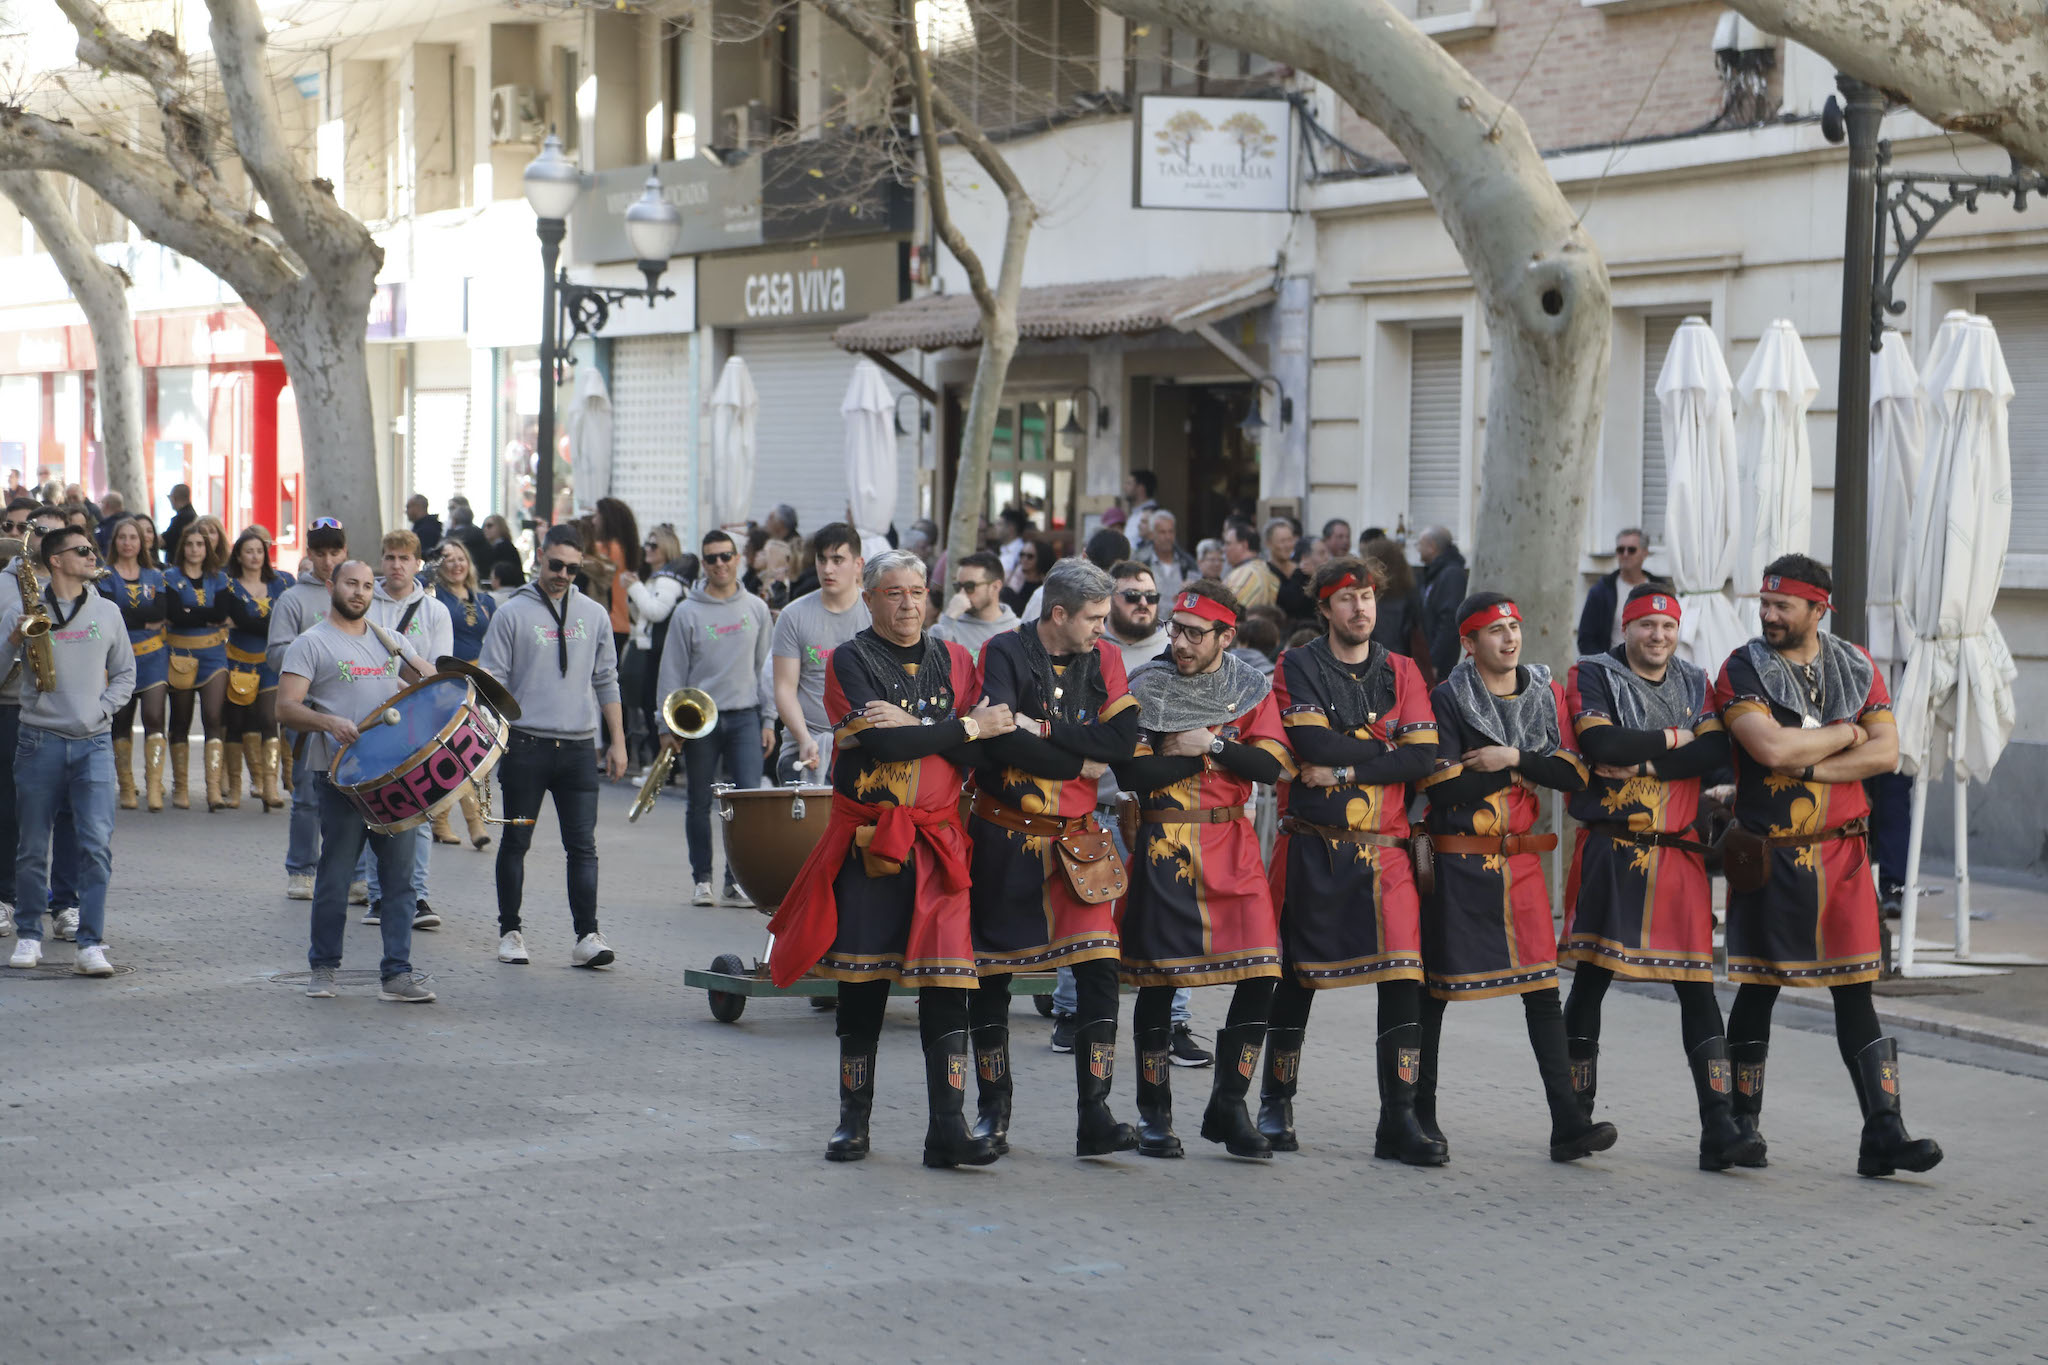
column 1050, row 312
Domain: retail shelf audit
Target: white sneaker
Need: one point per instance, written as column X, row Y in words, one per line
column 732, row 895
column 703, row 896
column 27, row 954
column 298, row 887
column 67, row 925
column 512, row 948
column 93, row 962
column 591, row 951
column 6, row 920
column 358, row 893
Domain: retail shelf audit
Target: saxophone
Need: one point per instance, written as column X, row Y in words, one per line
column 35, row 626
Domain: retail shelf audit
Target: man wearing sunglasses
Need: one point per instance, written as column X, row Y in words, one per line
column 65, row 753
column 1600, row 625
column 975, row 610
column 552, row 648
column 297, row 610
column 718, row 642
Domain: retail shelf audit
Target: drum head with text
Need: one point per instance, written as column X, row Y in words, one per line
column 383, row 749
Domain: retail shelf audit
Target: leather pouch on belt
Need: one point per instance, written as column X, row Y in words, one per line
column 1745, row 858
column 1422, row 854
column 1094, row 870
column 874, row 863
column 1127, row 822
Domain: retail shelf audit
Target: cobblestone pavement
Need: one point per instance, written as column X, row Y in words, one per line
column 557, row 1165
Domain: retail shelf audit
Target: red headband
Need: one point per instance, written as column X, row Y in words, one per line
column 1486, row 616
column 1206, row 607
column 1349, row 580
column 1793, row 587
column 1650, row 604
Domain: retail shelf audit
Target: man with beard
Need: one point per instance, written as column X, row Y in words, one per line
column 1638, row 901
column 1034, row 834
column 1200, row 912
column 1487, row 930
column 336, row 675
column 883, row 896
column 1359, row 723
column 1810, row 719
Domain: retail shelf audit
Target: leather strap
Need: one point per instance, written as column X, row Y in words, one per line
column 1331, row 834
column 1502, row 846
column 1212, row 815
column 1853, row 829
column 1647, row 838
column 1010, row 818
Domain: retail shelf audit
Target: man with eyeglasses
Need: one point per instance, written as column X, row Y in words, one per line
column 1200, row 912
column 552, row 648
column 718, row 642
column 1600, row 623
column 976, row 612
column 30, row 521
column 65, row 753
column 297, row 610
column 806, row 633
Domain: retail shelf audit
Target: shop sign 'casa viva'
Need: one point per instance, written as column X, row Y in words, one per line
column 791, row 288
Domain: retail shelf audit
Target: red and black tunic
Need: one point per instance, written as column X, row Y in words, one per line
column 1815, row 922
column 1025, row 913
column 1200, row 911
column 1639, row 910
column 889, row 877
column 1349, row 914
column 1488, row 929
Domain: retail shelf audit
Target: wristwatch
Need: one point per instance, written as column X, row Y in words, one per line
column 971, row 726
column 1343, row 775
column 1216, row 747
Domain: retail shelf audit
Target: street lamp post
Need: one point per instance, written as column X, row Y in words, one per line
column 570, row 310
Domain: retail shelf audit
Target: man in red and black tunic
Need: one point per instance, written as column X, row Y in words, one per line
column 1487, row 931
column 1359, row 724
column 1035, row 790
column 1810, row 719
column 1638, row 901
column 1200, row 911
column 883, row 896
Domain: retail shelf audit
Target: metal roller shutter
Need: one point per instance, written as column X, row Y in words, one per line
column 2022, row 323
column 800, row 438
column 1436, row 414
column 651, row 429
column 1657, row 334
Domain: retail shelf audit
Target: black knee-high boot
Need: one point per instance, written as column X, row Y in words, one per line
column 1226, row 1120
column 1722, row 1141
column 1572, row 1134
column 1276, row 1088
column 1887, row 1146
column 1401, row 1136
column 1585, row 1058
column 1746, row 1105
column 1155, row 1094
column 1097, row 1133
column 1432, row 1032
column 993, row 1088
column 947, row 1141
column 849, row 1141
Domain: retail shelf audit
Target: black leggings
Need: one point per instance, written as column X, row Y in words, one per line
column 1400, row 1003
column 1094, row 995
column 259, row 715
column 1699, row 1013
column 1250, row 1003
column 940, row 1010
column 1749, row 1018
column 212, row 695
column 1541, row 1010
column 153, row 706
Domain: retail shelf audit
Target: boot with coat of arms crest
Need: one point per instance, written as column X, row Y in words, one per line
column 1723, row 1143
column 1747, row 1103
column 1226, row 1120
column 1276, row 1088
column 1097, row 1133
column 1155, row 1095
column 993, row 1085
column 947, row 1141
column 849, row 1141
column 1887, row 1147
column 1401, row 1136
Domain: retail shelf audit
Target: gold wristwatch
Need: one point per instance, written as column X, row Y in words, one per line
column 972, row 727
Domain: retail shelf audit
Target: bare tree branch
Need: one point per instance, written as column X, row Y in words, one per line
column 312, row 222
column 935, row 179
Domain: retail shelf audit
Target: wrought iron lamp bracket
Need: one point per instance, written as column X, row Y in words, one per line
column 1911, row 204
column 586, row 308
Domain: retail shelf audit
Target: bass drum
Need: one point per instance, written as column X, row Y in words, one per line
column 768, row 833
column 401, row 775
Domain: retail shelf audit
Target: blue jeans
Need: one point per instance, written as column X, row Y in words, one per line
column 737, row 740
column 1063, row 1001
column 302, row 834
column 535, row 767
column 343, row 837
column 49, row 768
column 425, row 841
column 1891, row 825
column 65, row 858
column 10, row 731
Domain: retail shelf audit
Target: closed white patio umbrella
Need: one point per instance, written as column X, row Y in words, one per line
column 870, row 452
column 1775, row 391
column 1703, row 506
column 1898, row 442
column 734, row 408
column 1956, row 696
column 590, row 436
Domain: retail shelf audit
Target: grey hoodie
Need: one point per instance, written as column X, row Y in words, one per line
column 971, row 634
column 296, row 610
column 719, row 645
column 95, row 668
column 522, row 650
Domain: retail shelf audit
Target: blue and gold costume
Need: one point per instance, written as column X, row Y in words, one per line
column 197, row 612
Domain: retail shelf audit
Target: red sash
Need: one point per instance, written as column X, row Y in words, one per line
column 808, row 920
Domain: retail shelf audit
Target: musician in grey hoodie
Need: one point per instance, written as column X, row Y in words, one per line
column 718, row 641
column 298, row 609
column 552, row 648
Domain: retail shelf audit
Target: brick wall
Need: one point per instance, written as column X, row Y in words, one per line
column 1590, row 75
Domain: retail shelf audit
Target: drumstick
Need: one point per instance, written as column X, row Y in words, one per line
column 389, row 717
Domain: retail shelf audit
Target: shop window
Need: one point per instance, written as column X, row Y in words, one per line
column 1030, row 467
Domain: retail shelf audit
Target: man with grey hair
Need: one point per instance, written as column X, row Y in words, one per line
column 1443, row 587
column 1034, row 817
column 1170, row 565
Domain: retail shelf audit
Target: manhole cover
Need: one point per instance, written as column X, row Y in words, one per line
column 343, row 976
column 61, row 971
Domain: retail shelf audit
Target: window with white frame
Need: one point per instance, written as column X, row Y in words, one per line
column 1436, row 417
column 1658, row 330
column 2022, row 323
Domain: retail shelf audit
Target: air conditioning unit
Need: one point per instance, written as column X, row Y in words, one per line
column 745, row 127
column 515, row 114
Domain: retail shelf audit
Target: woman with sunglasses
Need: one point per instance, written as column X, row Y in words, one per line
column 469, row 611
column 252, row 682
column 653, row 599
column 196, row 591
column 138, row 590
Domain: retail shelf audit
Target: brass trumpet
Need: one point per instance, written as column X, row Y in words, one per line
column 689, row 713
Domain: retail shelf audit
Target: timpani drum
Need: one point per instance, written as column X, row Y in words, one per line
column 402, row 773
column 768, row 833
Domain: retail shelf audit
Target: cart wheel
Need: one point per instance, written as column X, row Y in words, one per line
column 727, row 1007
column 1044, row 1003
